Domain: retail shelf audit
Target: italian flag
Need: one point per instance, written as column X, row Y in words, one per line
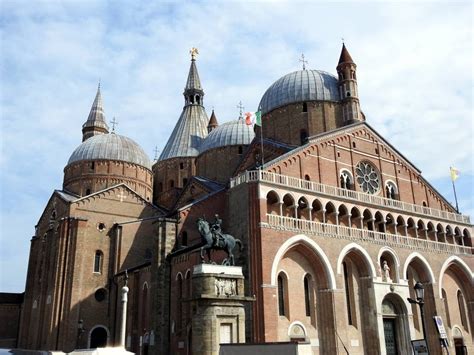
column 252, row 118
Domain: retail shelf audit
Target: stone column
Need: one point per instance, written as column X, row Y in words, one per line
column 218, row 301
column 123, row 322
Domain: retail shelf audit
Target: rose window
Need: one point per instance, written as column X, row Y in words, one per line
column 367, row 177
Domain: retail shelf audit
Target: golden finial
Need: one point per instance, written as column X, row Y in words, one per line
column 194, row 52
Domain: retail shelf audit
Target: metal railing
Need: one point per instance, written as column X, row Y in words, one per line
column 292, row 182
column 343, row 232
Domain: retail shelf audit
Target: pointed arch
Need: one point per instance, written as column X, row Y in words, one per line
column 356, row 247
column 422, row 259
column 313, row 246
column 461, row 265
column 394, row 255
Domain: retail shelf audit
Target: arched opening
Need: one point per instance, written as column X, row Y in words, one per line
column 458, row 239
column 356, row 218
column 431, row 232
column 456, row 280
column 368, row 221
column 288, row 206
column 303, row 265
column 98, row 338
column 391, row 191
column 283, row 309
column 98, row 260
column 449, row 235
column 357, row 272
column 411, row 228
column 395, row 326
column 446, row 307
column 305, row 107
column 390, row 225
column 179, row 293
column 273, row 203
column 317, row 213
column 344, row 216
column 379, row 222
column 441, row 234
column 458, row 339
column 401, row 226
column 418, row 270
column 346, row 180
column 303, row 211
column 467, row 241
column 331, row 214
column 388, row 267
column 421, row 230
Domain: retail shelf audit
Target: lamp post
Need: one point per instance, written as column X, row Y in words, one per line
column 420, row 296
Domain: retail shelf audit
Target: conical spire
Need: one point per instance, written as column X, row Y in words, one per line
column 95, row 123
column 191, row 127
column 212, row 122
column 193, row 92
column 345, row 56
column 193, row 77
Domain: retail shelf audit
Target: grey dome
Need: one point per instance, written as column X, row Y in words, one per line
column 110, row 147
column 229, row 133
column 300, row 86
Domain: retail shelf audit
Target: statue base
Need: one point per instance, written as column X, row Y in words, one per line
column 218, row 307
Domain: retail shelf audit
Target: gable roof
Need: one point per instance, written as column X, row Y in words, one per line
column 348, row 130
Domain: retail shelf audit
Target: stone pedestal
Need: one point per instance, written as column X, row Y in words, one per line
column 218, row 307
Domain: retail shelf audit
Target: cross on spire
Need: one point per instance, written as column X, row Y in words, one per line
column 156, row 150
column 114, row 123
column 302, row 60
column 241, row 109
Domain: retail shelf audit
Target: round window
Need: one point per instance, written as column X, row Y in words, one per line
column 101, row 227
column 368, row 177
column 100, row 294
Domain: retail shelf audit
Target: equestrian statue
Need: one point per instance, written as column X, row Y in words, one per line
column 214, row 239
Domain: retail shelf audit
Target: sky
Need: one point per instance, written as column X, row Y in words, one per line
column 414, row 70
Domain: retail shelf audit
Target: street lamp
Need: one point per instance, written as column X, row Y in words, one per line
column 420, row 296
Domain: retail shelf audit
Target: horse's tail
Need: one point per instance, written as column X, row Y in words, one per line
column 237, row 241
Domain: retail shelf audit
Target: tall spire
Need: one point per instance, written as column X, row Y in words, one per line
column 95, row 123
column 346, row 69
column 191, row 127
column 193, row 92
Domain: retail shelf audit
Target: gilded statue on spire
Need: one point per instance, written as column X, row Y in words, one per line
column 194, row 52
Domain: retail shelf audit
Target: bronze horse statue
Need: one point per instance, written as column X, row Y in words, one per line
column 226, row 243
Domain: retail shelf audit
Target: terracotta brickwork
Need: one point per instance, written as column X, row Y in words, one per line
column 86, row 177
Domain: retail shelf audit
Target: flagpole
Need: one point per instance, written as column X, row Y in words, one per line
column 455, row 197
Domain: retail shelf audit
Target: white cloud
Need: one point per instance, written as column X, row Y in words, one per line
column 414, row 69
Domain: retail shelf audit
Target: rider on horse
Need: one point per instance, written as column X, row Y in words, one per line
column 216, row 230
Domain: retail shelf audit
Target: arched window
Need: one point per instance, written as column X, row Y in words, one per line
column 179, row 316
column 462, row 310
column 283, row 295
column 185, row 181
column 307, row 295
column 171, row 183
column 181, row 165
column 346, row 180
column 241, row 149
column 88, row 192
column 184, row 239
column 98, row 261
column 391, row 190
column 446, row 307
column 305, row 107
column 350, row 301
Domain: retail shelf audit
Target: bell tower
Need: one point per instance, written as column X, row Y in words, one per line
column 346, row 70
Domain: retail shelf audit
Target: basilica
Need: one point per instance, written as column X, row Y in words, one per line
column 332, row 229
